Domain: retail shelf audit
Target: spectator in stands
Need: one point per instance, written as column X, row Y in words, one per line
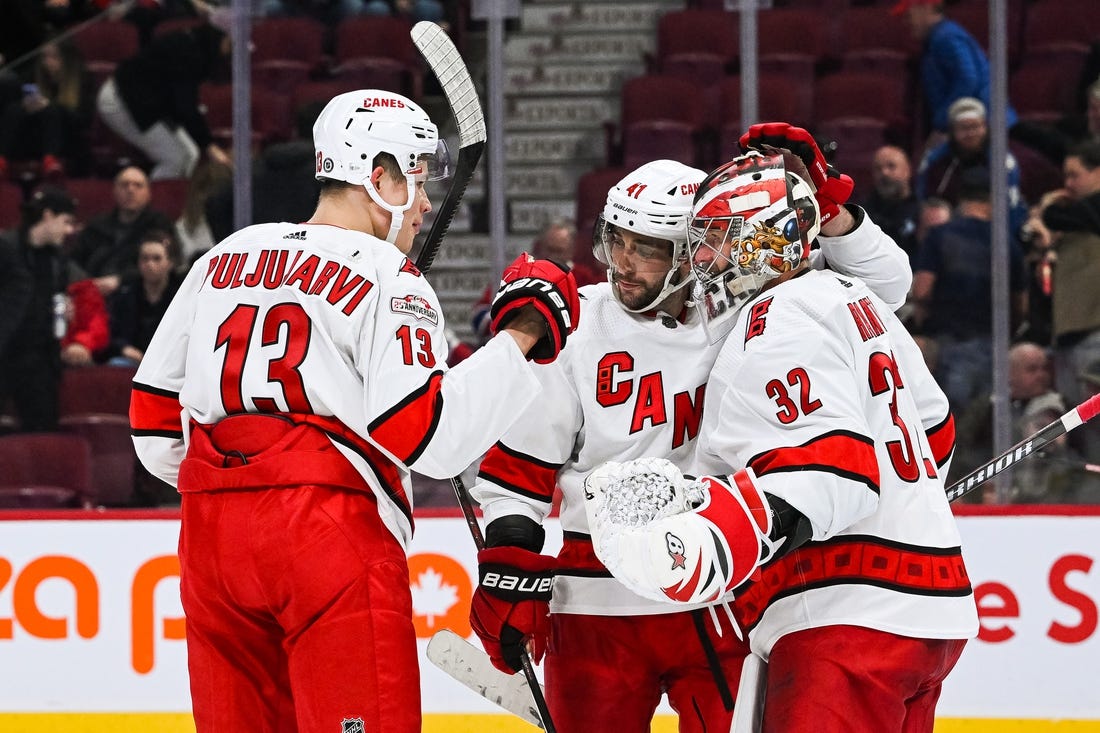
column 1040, row 258
column 952, row 64
column 952, row 291
column 107, row 247
column 139, row 305
column 1072, row 215
column 284, row 187
column 1059, row 474
column 1088, row 381
column 51, row 314
column 152, row 99
column 557, row 241
column 192, row 229
column 934, row 212
column 414, row 10
column 49, row 123
column 1029, row 379
column 892, row 204
column 967, row 147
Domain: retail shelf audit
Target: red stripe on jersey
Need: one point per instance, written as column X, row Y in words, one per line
column 406, row 428
column 942, row 440
column 155, row 412
column 846, row 454
column 925, row 571
column 578, row 558
column 520, row 473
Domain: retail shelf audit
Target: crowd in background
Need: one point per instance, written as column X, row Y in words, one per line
column 81, row 290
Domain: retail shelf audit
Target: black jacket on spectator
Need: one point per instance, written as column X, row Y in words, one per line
column 134, row 319
column 161, row 83
column 106, row 246
column 30, row 360
column 284, row 188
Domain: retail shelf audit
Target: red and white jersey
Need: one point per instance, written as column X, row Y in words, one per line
column 336, row 328
column 627, row 386
column 822, row 392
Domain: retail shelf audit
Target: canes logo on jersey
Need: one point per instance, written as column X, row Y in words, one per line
column 616, row 385
column 416, row 306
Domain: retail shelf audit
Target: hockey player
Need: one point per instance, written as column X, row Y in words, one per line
column 295, row 380
column 631, row 383
column 839, row 437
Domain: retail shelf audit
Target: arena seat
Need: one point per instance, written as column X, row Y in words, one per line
column 113, row 456
column 96, row 389
column 46, row 460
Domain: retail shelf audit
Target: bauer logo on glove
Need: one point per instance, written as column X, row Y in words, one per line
column 550, row 289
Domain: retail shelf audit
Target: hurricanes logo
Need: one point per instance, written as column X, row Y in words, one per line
column 676, row 551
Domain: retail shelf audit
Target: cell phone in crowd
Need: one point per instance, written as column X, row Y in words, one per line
column 30, row 90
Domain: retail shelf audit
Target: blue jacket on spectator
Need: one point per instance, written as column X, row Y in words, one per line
column 954, row 65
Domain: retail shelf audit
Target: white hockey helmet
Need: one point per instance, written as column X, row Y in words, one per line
column 653, row 200
column 355, row 127
column 752, row 221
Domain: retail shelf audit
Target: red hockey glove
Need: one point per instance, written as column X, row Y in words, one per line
column 832, row 187
column 512, row 604
column 547, row 286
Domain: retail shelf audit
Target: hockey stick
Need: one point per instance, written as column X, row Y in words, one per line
column 525, row 659
column 442, row 57
column 445, row 62
column 1033, row 444
column 471, row 666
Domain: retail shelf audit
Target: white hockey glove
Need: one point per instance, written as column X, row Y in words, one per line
column 672, row 539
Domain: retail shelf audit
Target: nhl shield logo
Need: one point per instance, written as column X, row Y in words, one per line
column 351, row 725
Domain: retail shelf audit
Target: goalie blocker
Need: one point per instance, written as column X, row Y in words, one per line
column 671, row 537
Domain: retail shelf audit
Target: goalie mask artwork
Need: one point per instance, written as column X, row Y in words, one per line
column 752, row 221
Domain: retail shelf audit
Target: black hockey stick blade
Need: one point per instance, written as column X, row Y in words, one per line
column 1077, row 416
column 448, row 67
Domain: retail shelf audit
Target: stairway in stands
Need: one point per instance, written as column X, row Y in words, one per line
column 563, row 66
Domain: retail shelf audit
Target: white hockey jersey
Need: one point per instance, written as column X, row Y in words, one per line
column 336, row 327
column 821, row 391
column 627, row 386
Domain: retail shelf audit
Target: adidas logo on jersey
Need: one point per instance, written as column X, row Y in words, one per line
column 296, row 235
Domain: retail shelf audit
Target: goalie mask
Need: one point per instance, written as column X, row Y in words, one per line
column 653, row 201
column 355, row 127
column 752, row 221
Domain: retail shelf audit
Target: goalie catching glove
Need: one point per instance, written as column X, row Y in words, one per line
column 832, row 188
column 547, row 286
column 675, row 539
column 511, row 605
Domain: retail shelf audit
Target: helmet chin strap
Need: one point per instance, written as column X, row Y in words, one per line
column 397, row 213
column 667, row 289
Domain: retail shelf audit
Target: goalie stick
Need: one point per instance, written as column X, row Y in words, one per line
column 1073, row 418
column 442, row 57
